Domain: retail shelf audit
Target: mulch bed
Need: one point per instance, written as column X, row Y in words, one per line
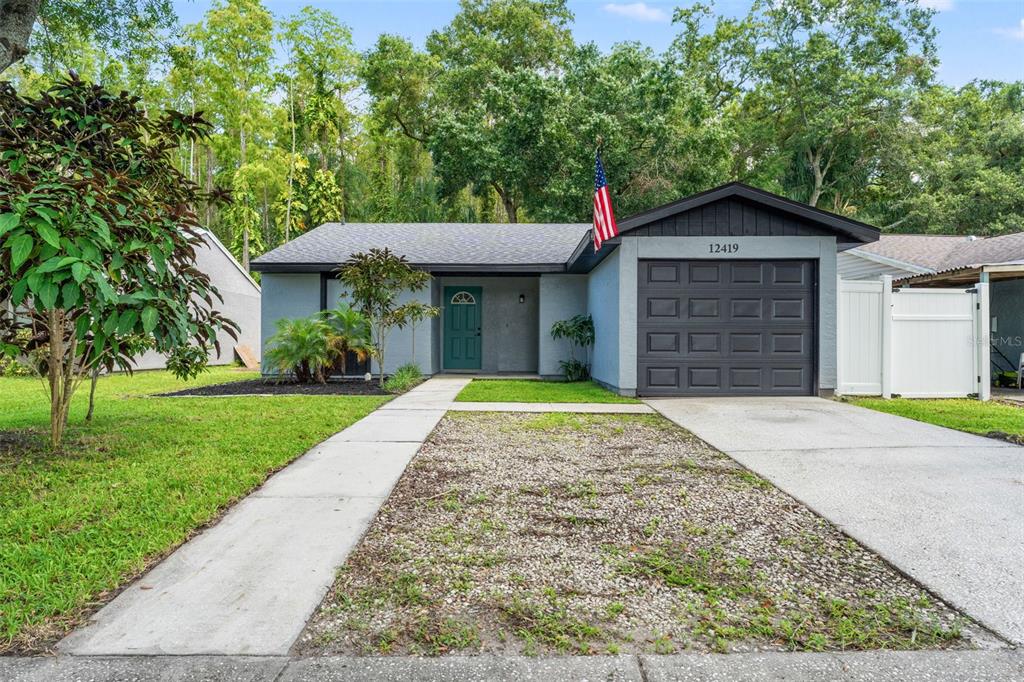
column 587, row 534
column 261, row 387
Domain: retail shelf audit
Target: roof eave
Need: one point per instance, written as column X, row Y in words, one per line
column 891, row 262
column 516, row 268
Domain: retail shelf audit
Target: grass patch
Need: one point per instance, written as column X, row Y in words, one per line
column 973, row 416
column 533, row 391
column 131, row 485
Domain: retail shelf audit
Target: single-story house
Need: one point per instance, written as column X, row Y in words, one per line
column 241, row 305
column 926, row 260
column 728, row 292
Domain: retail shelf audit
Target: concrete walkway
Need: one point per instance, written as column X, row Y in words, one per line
column 945, row 507
column 592, row 408
column 977, row 666
column 248, row 584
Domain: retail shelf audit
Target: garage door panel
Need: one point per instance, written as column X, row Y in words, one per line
column 726, row 327
column 725, row 378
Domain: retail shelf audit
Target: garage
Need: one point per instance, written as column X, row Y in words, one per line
column 726, row 327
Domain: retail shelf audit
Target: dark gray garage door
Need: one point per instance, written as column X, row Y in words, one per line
column 726, row 327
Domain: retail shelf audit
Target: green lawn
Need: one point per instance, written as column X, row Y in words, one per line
column 131, row 485
column 974, row 416
column 532, row 391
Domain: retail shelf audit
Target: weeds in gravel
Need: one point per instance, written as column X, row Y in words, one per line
column 583, row 534
column 447, row 634
column 545, row 619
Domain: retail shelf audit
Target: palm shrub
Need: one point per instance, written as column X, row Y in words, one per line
column 302, row 348
column 350, row 333
column 579, row 332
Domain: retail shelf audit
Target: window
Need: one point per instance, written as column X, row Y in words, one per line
column 463, row 298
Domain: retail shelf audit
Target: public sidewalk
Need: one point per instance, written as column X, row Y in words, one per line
column 248, row 584
column 934, row 666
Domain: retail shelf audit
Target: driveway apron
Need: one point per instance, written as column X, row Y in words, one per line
column 945, row 507
column 248, row 584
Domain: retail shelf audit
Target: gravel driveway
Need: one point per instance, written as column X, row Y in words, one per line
column 579, row 534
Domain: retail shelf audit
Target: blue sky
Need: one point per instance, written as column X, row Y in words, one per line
column 977, row 38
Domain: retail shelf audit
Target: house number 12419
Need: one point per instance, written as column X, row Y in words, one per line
column 732, row 247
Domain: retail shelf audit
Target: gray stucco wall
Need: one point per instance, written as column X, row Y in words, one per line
column 604, row 305
column 241, row 305
column 616, row 366
column 1007, row 307
column 286, row 296
column 561, row 297
column 298, row 295
column 510, row 328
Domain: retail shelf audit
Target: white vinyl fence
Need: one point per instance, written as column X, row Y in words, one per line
column 916, row 343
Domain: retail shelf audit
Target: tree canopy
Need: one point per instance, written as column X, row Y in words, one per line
column 497, row 115
column 98, row 234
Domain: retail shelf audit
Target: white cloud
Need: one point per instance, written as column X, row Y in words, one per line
column 1016, row 33
column 637, row 11
column 937, row 5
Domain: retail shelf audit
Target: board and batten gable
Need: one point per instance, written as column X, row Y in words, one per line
column 729, row 218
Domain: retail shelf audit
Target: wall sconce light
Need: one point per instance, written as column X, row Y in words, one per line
column 522, row 298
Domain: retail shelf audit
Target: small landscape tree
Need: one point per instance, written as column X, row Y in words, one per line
column 579, row 332
column 98, row 235
column 374, row 280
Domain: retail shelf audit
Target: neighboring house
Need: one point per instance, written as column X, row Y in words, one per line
column 918, row 260
column 731, row 291
column 241, row 304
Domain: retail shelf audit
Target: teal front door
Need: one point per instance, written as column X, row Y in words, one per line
column 462, row 327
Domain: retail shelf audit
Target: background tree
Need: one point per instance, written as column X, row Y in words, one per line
column 957, row 166
column 821, row 85
column 484, row 98
column 98, row 232
column 49, row 28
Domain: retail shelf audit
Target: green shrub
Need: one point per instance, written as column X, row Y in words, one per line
column 404, row 378
column 579, row 331
column 301, row 348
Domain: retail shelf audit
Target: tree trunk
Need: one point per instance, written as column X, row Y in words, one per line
column 245, row 248
column 380, row 352
column 92, row 393
column 17, row 17
column 266, row 218
column 60, row 375
column 209, row 185
column 413, row 331
column 814, row 161
column 509, row 204
column 291, row 165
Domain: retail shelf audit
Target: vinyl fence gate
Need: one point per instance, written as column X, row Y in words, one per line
column 916, row 343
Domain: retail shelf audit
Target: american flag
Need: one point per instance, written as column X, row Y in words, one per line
column 604, row 218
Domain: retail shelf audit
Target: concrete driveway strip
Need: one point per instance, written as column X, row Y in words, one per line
column 248, row 584
column 943, row 506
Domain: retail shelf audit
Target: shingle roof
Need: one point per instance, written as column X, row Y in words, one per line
column 434, row 243
column 941, row 253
